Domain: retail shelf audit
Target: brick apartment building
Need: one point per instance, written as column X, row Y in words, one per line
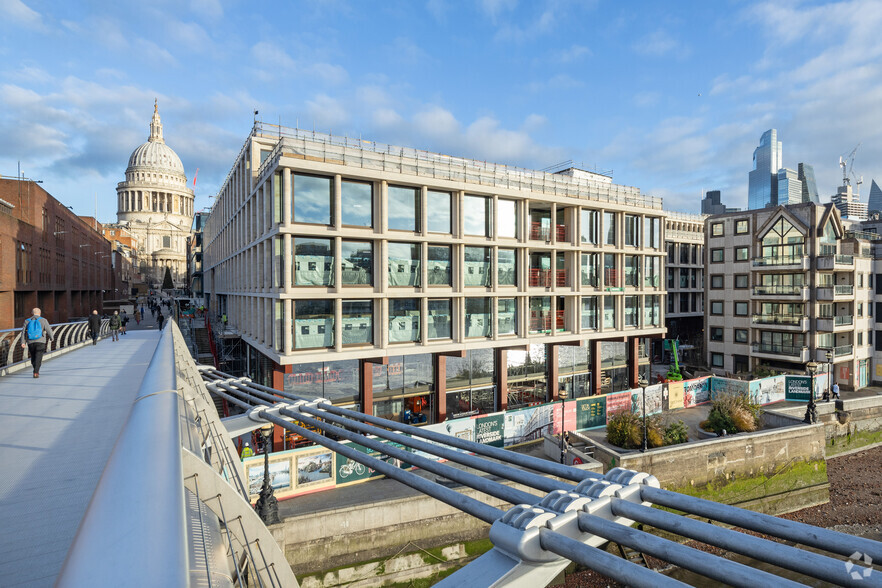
column 49, row 257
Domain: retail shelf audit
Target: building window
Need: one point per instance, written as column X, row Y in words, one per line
column 632, row 311
column 166, row 241
column 741, row 335
column 783, row 242
column 590, row 220
column 609, row 228
column 478, row 317
column 589, row 312
column 651, row 271
column 477, row 215
column 540, row 314
column 477, row 266
column 717, row 255
column 716, row 333
column 741, row 227
column 652, row 232
column 356, row 202
column 438, row 265
column 506, row 218
column 277, row 197
column 404, row 208
column 611, row 277
column 404, row 264
column 716, row 360
column 313, row 323
column 573, row 368
column 740, row 308
column 507, row 316
column 313, row 262
column 357, row 262
column 404, row 320
column 338, row 381
column 741, row 254
column 506, row 267
column 439, row 215
column 716, row 282
column 470, row 383
column 540, row 269
column 632, row 230
column 652, row 311
column 741, row 281
column 860, row 338
column 860, row 309
column 440, row 319
column 358, row 322
column 716, row 229
column 632, row 270
column 279, row 262
column 716, row 307
column 403, row 389
column 609, row 312
column 313, row 200
column 589, row 269
column 527, row 377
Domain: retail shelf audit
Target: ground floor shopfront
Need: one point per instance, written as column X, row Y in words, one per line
column 426, row 388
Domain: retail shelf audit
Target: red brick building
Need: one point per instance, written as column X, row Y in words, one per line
column 49, row 257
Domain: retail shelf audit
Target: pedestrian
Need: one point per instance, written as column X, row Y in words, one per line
column 94, row 326
column 137, row 317
column 35, row 333
column 115, row 324
column 124, row 320
column 836, row 391
column 161, row 318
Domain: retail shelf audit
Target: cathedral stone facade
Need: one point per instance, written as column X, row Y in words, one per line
column 156, row 206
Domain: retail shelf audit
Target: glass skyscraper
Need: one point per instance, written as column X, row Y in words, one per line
column 875, row 202
column 809, row 185
column 789, row 187
column 763, row 179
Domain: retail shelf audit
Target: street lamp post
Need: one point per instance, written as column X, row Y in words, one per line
column 811, row 413
column 829, row 357
column 267, row 506
column 645, row 443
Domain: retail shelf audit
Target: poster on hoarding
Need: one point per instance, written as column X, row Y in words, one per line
column 768, row 390
column 675, row 395
column 528, row 424
column 653, row 400
column 489, row 429
column 821, row 385
column 619, row 402
column 349, row 470
column 696, row 392
column 569, row 414
column 590, row 412
column 799, row 388
column 726, row 386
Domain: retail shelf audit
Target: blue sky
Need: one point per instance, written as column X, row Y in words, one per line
column 671, row 96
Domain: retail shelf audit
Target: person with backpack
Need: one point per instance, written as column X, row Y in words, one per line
column 94, row 326
column 34, row 335
column 124, row 320
column 115, row 324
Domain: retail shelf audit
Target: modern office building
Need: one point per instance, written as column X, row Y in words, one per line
column 419, row 286
column 874, row 203
column 684, row 282
column 789, row 187
column 51, row 258
column 849, row 203
column 786, row 285
column 763, row 179
column 194, row 255
column 806, row 175
column 711, row 204
column 155, row 205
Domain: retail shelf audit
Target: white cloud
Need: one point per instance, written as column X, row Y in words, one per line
column 558, row 82
column 328, row 72
column 271, row 56
column 327, row 112
column 494, row 8
column 209, row 9
column 574, row 53
column 20, row 13
column 189, row 35
column 438, row 10
column 646, row 99
column 660, row 44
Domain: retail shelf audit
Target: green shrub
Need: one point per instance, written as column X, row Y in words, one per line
column 734, row 413
column 676, row 432
column 623, row 430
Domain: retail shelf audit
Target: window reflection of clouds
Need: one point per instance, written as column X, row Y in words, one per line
column 507, row 224
column 356, row 203
column 403, row 208
column 474, row 211
column 312, row 200
column 438, row 218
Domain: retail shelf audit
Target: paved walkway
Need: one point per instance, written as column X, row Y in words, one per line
column 56, row 433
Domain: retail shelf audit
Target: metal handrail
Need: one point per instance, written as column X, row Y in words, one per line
column 778, row 319
column 843, row 350
column 65, row 335
column 843, row 320
column 843, row 289
column 778, row 260
column 122, row 534
column 789, row 350
column 781, row 290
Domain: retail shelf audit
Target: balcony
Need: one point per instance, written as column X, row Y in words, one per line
column 561, row 233
column 784, row 321
column 835, row 262
column 798, row 292
column 843, row 290
column 800, row 354
column 541, row 277
column 540, row 231
column 842, row 350
column 797, row 262
column 836, row 323
column 561, row 278
column 836, row 292
column 843, row 320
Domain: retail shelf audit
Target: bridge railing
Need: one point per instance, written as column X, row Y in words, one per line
column 65, row 335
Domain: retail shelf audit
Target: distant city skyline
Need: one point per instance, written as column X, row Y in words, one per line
column 671, row 98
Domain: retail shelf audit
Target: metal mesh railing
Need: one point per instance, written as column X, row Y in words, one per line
column 65, row 335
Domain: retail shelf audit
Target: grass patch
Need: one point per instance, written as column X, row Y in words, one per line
column 792, row 476
column 422, row 582
column 851, row 441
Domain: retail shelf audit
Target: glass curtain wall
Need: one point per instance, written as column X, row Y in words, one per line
column 478, row 317
column 507, row 315
column 404, row 320
column 404, row 208
column 404, row 264
column 357, row 263
column 356, row 202
column 313, row 323
column 471, row 386
column 313, row 262
column 440, row 319
column 313, row 199
column 358, row 326
column 338, row 381
column 438, row 265
column 477, row 266
column 403, row 389
column 574, row 377
column 527, row 376
column 439, row 212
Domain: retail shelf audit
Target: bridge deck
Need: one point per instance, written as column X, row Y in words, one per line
column 56, row 433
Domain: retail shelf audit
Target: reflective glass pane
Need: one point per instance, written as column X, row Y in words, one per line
column 313, row 262
column 477, row 266
column 404, row 208
column 476, row 211
column 589, row 226
column 312, row 199
column 440, row 319
column 540, row 314
column 358, row 325
column 439, row 266
column 478, row 315
column 313, row 323
column 507, row 316
column 609, row 312
column 357, row 204
column 358, row 262
column 438, row 217
column 404, row 264
column 506, row 220
column 589, row 312
column 404, row 320
column 506, row 267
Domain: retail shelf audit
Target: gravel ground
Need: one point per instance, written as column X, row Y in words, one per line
column 855, row 507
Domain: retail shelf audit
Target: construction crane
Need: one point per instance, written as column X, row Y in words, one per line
column 848, row 162
column 674, row 374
